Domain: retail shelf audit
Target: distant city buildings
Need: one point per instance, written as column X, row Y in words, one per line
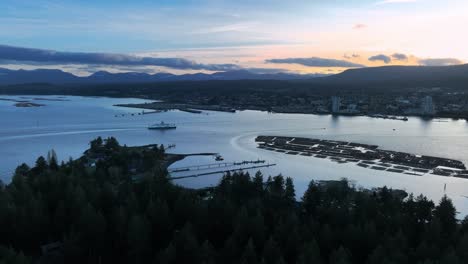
column 336, row 104
column 344, row 106
column 428, row 106
column 417, row 103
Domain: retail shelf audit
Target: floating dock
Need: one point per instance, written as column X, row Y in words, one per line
column 364, row 155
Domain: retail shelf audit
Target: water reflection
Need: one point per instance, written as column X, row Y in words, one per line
column 334, row 121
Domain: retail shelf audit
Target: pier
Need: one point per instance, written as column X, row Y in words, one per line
column 222, row 171
column 214, row 166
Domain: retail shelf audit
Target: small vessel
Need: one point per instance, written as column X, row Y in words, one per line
column 162, row 126
column 219, row 158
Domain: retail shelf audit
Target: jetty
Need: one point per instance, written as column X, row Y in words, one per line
column 219, row 168
column 215, row 165
column 221, row 171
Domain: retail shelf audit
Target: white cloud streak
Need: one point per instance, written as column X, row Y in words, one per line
column 385, row 2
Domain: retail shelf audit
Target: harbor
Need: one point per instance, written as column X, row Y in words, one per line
column 364, row 155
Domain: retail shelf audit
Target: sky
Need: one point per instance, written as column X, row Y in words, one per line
column 263, row 36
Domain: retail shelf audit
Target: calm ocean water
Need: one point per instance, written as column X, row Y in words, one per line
column 68, row 125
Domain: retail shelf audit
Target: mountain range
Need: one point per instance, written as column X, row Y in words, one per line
column 395, row 75
column 52, row 76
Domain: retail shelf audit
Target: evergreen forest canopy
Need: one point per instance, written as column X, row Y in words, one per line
column 95, row 211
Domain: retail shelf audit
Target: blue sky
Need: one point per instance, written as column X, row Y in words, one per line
column 126, row 26
column 248, row 33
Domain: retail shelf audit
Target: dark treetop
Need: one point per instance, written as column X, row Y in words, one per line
column 91, row 210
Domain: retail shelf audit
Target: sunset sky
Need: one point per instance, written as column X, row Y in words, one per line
column 179, row 36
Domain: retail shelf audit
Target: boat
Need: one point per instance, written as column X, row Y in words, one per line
column 162, row 126
column 219, row 158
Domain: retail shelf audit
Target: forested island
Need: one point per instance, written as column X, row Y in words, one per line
column 92, row 210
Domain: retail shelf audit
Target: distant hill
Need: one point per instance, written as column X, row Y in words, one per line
column 375, row 78
column 36, row 76
column 401, row 74
column 11, row 77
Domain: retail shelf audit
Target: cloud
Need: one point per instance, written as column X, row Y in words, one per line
column 381, row 57
column 385, row 2
column 352, row 56
column 359, row 26
column 400, row 56
column 39, row 56
column 267, row 70
column 440, row 62
column 317, row 62
column 238, row 27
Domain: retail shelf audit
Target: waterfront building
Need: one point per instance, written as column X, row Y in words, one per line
column 336, row 104
column 428, row 106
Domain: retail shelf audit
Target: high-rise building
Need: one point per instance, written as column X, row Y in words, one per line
column 428, row 106
column 336, row 104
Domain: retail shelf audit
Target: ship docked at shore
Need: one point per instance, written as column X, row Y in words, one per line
column 400, row 118
column 162, row 126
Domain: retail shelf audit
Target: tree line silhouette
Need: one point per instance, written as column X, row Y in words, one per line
column 96, row 212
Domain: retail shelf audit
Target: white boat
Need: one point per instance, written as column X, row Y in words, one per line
column 162, row 126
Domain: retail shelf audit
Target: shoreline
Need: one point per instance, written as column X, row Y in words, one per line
column 169, row 158
column 197, row 109
column 190, row 108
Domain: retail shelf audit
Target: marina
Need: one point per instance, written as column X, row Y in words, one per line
column 214, row 166
column 219, row 168
column 222, row 171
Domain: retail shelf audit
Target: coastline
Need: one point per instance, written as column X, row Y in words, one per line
column 197, row 108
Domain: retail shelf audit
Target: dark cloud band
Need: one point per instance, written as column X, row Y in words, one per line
column 381, row 57
column 28, row 55
column 400, row 56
